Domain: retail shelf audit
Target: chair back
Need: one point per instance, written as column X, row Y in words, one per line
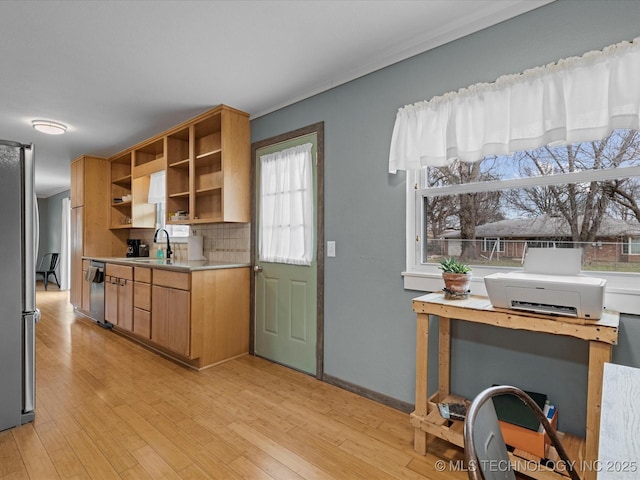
column 49, row 262
column 486, row 452
column 54, row 261
column 484, row 448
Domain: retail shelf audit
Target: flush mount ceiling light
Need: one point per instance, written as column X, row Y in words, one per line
column 47, row 126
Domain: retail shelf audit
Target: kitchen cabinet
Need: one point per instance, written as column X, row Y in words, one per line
column 142, row 302
column 171, row 320
column 90, row 233
column 208, row 168
column 118, row 296
column 199, row 318
column 171, row 313
column 130, row 207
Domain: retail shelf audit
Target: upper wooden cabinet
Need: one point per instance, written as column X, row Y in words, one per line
column 130, row 207
column 207, row 160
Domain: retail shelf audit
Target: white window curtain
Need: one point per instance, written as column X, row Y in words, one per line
column 286, row 206
column 65, row 245
column 574, row 100
column 157, row 187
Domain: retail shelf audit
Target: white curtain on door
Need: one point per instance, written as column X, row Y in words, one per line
column 577, row 99
column 65, row 245
column 286, row 206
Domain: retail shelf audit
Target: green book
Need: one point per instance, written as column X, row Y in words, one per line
column 511, row 409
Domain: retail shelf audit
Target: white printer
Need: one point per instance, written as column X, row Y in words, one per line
column 550, row 283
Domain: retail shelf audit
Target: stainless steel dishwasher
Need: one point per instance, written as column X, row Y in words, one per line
column 97, row 293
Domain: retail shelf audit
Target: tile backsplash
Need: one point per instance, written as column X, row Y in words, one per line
column 222, row 242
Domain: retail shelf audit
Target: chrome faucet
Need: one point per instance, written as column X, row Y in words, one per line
column 155, row 239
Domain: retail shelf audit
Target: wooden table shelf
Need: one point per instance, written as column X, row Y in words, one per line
column 601, row 334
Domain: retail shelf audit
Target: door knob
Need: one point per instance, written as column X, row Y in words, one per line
column 257, row 268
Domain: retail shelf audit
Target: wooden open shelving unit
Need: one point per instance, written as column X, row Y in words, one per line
column 601, row 334
column 207, row 160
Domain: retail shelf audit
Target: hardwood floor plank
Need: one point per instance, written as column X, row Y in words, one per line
column 33, row 453
column 293, row 461
column 153, row 464
column 11, row 464
column 165, row 449
column 96, row 464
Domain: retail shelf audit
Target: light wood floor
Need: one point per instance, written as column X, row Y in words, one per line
column 107, row 408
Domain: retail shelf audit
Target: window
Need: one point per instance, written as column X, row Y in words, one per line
column 178, row 233
column 492, row 244
column 631, row 246
column 157, row 196
column 581, row 195
column 490, row 212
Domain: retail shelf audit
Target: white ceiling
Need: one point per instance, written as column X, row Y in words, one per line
column 119, row 72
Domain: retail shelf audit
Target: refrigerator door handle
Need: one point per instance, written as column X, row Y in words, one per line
column 29, row 373
column 30, row 228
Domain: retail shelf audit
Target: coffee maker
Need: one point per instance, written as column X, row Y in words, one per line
column 133, row 247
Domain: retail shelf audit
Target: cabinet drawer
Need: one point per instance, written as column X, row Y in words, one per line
column 142, row 274
column 142, row 322
column 142, row 295
column 86, row 264
column 120, row 271
column 169, row 279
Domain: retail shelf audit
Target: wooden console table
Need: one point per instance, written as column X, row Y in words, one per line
column 601, row 334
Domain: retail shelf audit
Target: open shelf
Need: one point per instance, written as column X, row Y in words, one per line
column 179, row 195
column 212, row 153
column 180, row 164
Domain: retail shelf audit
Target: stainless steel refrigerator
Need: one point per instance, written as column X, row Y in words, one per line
column 18, row 313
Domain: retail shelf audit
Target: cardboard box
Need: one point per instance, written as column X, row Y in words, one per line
column 528, row 440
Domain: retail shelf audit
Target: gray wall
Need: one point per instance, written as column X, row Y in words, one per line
column 369, row 325
column 50, row 212
column 43, row 216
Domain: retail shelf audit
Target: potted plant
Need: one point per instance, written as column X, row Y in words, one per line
column 457, row 278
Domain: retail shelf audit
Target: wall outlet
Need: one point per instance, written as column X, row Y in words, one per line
column 331, row 249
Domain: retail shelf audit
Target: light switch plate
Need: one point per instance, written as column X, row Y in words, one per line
column 331, row 248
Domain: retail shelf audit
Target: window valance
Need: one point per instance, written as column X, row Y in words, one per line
column 573, row 100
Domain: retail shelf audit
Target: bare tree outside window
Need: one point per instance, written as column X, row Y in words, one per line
column 600, row 215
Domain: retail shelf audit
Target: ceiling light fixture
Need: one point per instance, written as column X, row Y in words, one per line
column 47, row 126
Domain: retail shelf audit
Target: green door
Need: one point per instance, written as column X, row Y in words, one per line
column 286, row 323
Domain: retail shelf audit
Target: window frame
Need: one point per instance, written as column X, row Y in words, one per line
column 492, row 241
column 629, row 244
column 622, row 292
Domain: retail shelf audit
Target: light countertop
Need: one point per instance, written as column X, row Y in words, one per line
column 182, row 265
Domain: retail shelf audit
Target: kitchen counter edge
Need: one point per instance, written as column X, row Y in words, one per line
column 147, row 262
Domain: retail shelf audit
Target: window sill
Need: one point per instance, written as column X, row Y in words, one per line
column 619, row 296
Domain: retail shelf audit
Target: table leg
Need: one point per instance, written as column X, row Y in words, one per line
column 444, row 359
column 599, row 354
column 422, row 359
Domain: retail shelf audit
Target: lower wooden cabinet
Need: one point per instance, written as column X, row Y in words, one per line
column 199, row 318
column 171, row 319
column 118, row 296
column 142, row 302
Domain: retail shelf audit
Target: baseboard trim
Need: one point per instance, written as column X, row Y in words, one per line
column 370, row 394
